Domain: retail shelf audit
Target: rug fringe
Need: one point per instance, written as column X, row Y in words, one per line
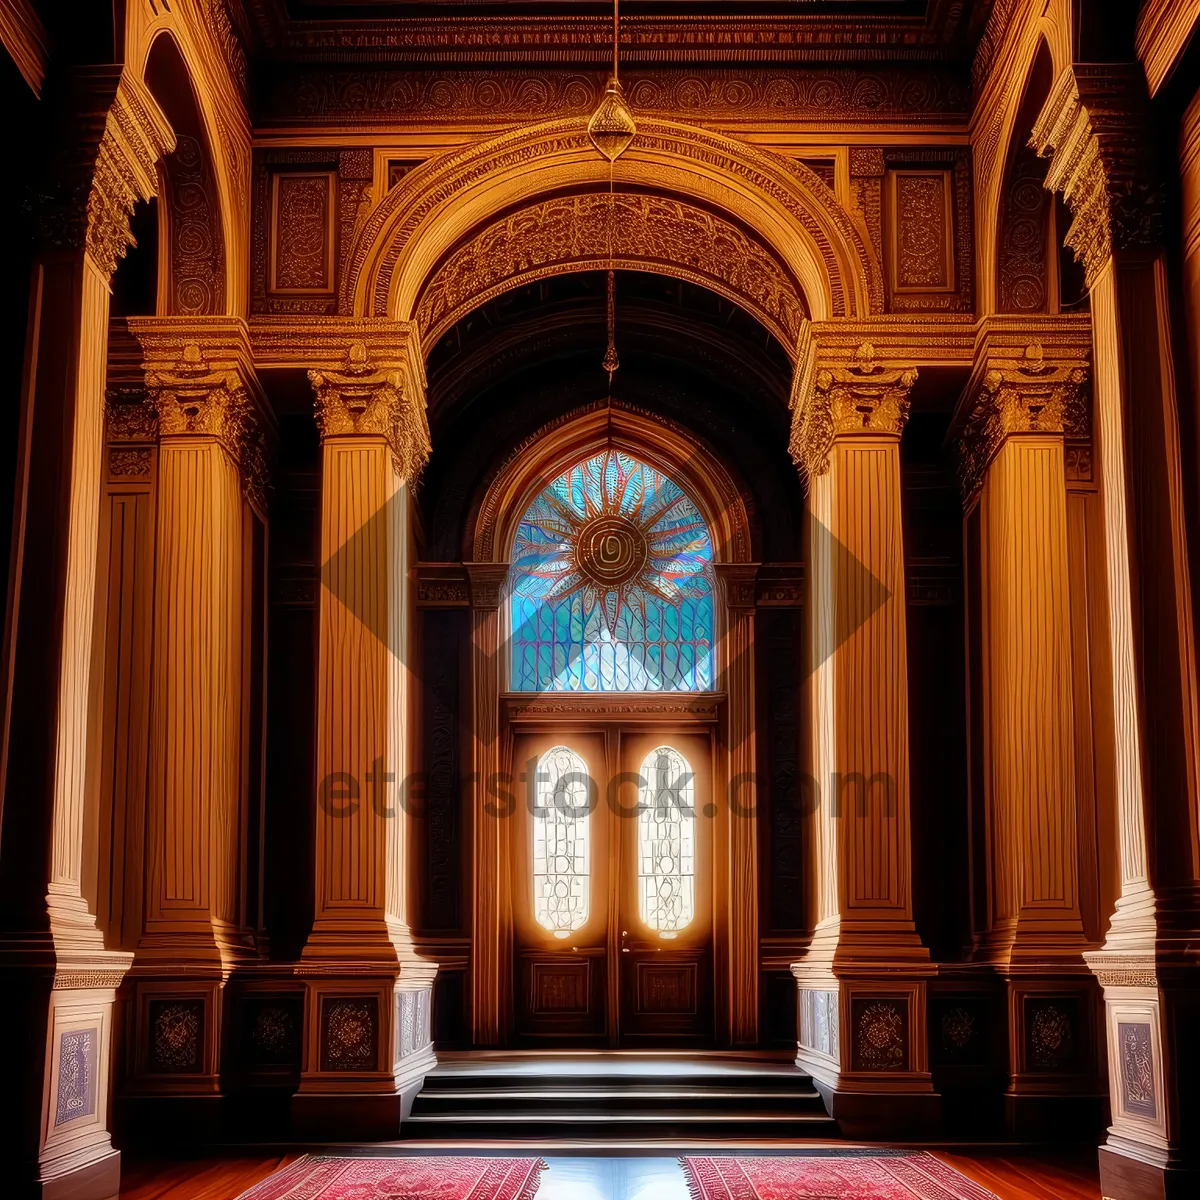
column 695, row 1187
column 530, row 1186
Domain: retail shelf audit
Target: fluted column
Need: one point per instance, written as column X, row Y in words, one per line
column 1011, row 422
column 738, row 585
column 1095, row 130
column 491, row 941
column 59, row 980
column 862, row 982
column 368, row 992
column 210, row 470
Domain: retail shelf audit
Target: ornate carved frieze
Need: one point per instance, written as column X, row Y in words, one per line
column 200, row 383
column 366, row 396
column 837, row 397
column 566, row 233
column 1093, row 128
column 1015, row 391
column 422, row 96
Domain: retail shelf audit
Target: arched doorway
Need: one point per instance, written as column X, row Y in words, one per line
column 654, row 657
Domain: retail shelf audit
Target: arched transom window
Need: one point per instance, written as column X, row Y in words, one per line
column 611, row 585
column 666, row 842
column 561, row 853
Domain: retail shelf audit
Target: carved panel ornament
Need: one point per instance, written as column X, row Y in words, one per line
column 1137, row 1069
column 1094, row 130
column 301, row 251
column 572, row 232
column 1023, row 237
column 76, row 1084
column 1029, row 393
column 350, row 1035
column 176, row 1029
column 923, row 246
column 197, row 240
column 880, row 1035
column 862, row 396
column 363, row 398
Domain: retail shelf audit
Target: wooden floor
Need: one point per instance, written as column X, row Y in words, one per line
column 1009, row 1175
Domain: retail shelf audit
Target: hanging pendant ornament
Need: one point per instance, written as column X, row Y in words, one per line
column 611, row 361
column 611, row 127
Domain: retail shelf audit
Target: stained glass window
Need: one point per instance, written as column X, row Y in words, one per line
column 611, row 585
column 666, row 842
column 561, row 866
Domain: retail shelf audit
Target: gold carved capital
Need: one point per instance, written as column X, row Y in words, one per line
column 855, row 397
column 1019, row 393
column 368, row 396
column 1094, row 129
column 201, row 385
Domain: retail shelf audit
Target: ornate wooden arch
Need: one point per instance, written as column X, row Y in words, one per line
column 212, row 164
column 783, row 206
column 578, row 435
column 1000, row 109
column 648, row 232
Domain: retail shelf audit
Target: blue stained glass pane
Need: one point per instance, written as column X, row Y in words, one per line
column 612, row 584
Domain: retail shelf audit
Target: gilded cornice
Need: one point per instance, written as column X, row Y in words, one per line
column 200, row 380
column 558, row 37
column 1094, row 130
column 373, row 393
column 837, row 395
column 1025, row 381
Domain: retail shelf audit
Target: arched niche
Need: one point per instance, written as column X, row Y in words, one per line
column 194, row 263
column 808, row 243
column 1033, row 274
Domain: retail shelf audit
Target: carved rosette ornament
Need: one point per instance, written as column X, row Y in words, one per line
column 1020, row 393
column 1093, row 128
column 363, row 397
column 196, row 397
column 859, row 397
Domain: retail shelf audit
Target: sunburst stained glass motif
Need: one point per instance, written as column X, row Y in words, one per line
column 611, row 585
column 561, row 854
column 666, row 842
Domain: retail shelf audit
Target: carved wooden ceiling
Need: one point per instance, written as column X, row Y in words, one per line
column 579, row 31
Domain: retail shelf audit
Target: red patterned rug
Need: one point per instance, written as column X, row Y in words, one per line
column 317, row 1178
column 899, row 1177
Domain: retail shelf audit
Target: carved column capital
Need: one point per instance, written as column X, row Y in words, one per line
column 836, row 396
column 738, row 581
column 371, row 393
column 1093, row 128
column 201, row 383
column 116, row 134
column 1016, row 391
column 486, row 581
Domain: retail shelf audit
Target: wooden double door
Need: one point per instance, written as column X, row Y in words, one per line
column 611, row 883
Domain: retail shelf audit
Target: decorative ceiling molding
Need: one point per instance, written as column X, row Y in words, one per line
column 769, row 30
column 311, row 95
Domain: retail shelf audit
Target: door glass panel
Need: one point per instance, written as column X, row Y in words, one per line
column 561, row 853
column 666, row 842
